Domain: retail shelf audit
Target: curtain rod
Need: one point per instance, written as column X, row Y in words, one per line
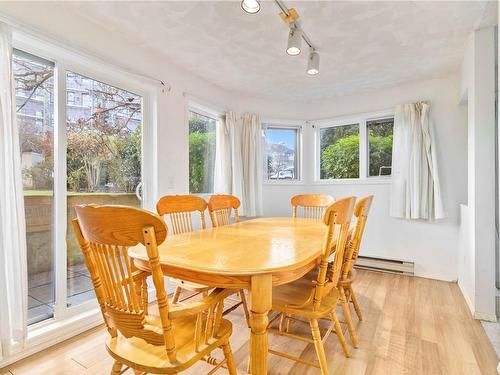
column 38, row 34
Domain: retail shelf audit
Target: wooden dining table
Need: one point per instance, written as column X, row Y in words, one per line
column 254, row 254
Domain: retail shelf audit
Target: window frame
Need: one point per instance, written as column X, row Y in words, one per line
column 202, row 110
column 361, row 119
column 65, row 60
column 286, row 125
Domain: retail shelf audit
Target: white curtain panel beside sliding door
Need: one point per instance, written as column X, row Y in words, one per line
column 13, row 266
column 238, row 161
column 222, row 172
column 416, row 192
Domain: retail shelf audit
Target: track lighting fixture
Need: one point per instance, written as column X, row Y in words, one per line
column 296, row 34
column 294, row 41
column 313, row 63
column 251, row 6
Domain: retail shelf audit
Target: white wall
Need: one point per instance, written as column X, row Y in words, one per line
column 477, row 250
column 431, row 246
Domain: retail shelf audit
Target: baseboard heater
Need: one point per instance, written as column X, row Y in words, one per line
column 400, row 267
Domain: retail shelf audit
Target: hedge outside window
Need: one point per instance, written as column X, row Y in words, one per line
column 201, row 153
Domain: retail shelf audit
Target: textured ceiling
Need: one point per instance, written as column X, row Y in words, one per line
column 363, row 45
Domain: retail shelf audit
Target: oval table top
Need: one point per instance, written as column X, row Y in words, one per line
column 251, row 247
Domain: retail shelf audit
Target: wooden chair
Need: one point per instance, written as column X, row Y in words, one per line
column 348, row 274
column 165, row 344
column 180, row 209
column 220, row 208
column 317, row 298
column 313, row 205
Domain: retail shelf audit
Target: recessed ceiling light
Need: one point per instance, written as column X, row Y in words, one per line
column 313, row 63
column 294, row 41
column 251, row 6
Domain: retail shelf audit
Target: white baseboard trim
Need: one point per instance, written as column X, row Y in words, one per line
column 485, row 316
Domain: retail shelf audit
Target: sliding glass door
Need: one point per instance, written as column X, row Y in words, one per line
column 81, row 142
column 103, row 160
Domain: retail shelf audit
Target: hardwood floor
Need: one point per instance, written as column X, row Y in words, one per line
column 412, row 326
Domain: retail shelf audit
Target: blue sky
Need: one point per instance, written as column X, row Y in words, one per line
column 281, row 136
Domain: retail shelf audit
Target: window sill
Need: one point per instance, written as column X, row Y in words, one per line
column 283, row 182
column 366, row 181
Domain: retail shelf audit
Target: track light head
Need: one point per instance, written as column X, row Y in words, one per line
column 313, row 63
column 251, row 6
column 294, row 41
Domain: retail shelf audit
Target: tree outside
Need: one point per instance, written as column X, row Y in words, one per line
column 339, row 148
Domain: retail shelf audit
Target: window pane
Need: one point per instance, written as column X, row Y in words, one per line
column 339, row 152
column 380, row 147
column 103, row 160
column 281, row 154
column 201, row 153
column 35, row 117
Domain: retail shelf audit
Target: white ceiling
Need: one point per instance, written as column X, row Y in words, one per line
column 363, row 45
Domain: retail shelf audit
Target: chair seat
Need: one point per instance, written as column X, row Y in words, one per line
column 287, row 296
column 188, row 285
column 150, row 358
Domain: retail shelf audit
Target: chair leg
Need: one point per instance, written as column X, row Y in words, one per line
column 318, row 344
column 245, row 307
column 231, row 366
column 348, row 318
column 116, row 369
column 355, row 303
column 340, row 334
column 177, row 294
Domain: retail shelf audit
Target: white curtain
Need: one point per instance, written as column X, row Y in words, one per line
column 238, row 161
column 222, row 172
column 416, row 192
column 13, row 266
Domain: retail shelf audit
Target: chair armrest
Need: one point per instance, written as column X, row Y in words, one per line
column 178, row 311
